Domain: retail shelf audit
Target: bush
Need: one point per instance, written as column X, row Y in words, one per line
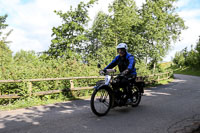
column 29, row 65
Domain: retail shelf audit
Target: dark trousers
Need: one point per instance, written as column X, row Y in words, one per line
column 126, row 83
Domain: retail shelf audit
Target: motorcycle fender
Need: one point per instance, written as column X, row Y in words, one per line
column 103, row 86
column 141, row 86
column 107, row 88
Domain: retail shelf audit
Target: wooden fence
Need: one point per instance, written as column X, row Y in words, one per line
column 147, row 79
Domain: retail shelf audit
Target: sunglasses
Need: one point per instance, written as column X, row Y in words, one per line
column 119, row 50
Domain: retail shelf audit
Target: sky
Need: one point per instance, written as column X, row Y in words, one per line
column 32, row 22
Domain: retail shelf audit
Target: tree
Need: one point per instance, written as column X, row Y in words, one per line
column 191, row 58
column 188, row 58
column 99, row 37
column 69, row 37
column 160, row 26
column 25, row 57
column 5, row 52
column 148, row 31
column 197, row 48
column 2, row 23
column 110, row 29
column 179, row 59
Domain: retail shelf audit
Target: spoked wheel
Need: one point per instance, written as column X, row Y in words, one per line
column 136, row 96
column 101, row 102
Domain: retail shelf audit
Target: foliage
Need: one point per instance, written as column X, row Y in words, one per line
column 187, row 71
column 29, row 65
column 2, row 23
column 5, row 55
column 110, row 29
column 5, row 52
column 160, row 25
column 69, row 37
column 179, row 59
column 187, row 58
column 147, row 31
column 142, row 69
column 197, row 56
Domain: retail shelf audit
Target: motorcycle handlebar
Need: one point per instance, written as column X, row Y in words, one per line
column 111, row 70
column 107, row 71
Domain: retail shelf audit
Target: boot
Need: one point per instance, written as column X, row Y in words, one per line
column 129, row 95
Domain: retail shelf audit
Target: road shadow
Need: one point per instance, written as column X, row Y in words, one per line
column 21, row 120
column 74, row 116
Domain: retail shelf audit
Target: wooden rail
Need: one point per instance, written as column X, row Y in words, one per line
column 72, row 87
column 49, row 79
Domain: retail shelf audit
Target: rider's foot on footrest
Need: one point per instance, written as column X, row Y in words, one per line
column 129, row 101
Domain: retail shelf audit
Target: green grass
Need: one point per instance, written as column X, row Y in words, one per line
column 30, row 102
column 166, row 65
column 163, row 82
column 37, row 101
column 47, row 99
column 187, row 71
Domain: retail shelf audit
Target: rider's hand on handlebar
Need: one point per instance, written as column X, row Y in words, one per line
column 102, row 72
column 119, row 76
column 125, row 72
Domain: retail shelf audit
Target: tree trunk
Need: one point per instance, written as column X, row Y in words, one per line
column 154, row 67
column 116, row 43
column 146, row 62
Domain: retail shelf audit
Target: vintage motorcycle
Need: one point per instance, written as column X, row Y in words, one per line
column 107, row 94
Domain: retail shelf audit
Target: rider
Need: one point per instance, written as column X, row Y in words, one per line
column 126, row 65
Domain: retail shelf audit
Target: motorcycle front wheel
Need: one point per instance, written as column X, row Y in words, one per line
column 101, row 102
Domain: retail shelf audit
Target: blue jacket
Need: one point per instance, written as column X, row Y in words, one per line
column 124, row 63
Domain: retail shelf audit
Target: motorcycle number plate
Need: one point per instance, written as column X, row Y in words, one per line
column 107, row 79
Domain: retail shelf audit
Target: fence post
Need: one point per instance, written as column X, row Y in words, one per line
column 71, row 84
column 29, row 88
column 56, row 84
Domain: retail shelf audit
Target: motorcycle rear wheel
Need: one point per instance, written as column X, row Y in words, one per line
column 101, row 102
column 136, row 96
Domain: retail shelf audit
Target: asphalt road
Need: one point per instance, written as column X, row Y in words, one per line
column 172, row 108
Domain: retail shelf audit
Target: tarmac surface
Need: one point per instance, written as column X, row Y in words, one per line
column 172, row 108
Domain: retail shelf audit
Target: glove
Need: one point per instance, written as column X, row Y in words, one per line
column 125, row 72
column 102, row 72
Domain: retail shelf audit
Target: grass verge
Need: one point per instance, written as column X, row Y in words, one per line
column 30, row 102
column 163, row 82
column 187, row 71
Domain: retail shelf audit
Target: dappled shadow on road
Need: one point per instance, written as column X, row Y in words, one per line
column 74, row 116
column 164, row 90
column 21, row 120
column 153, row 93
